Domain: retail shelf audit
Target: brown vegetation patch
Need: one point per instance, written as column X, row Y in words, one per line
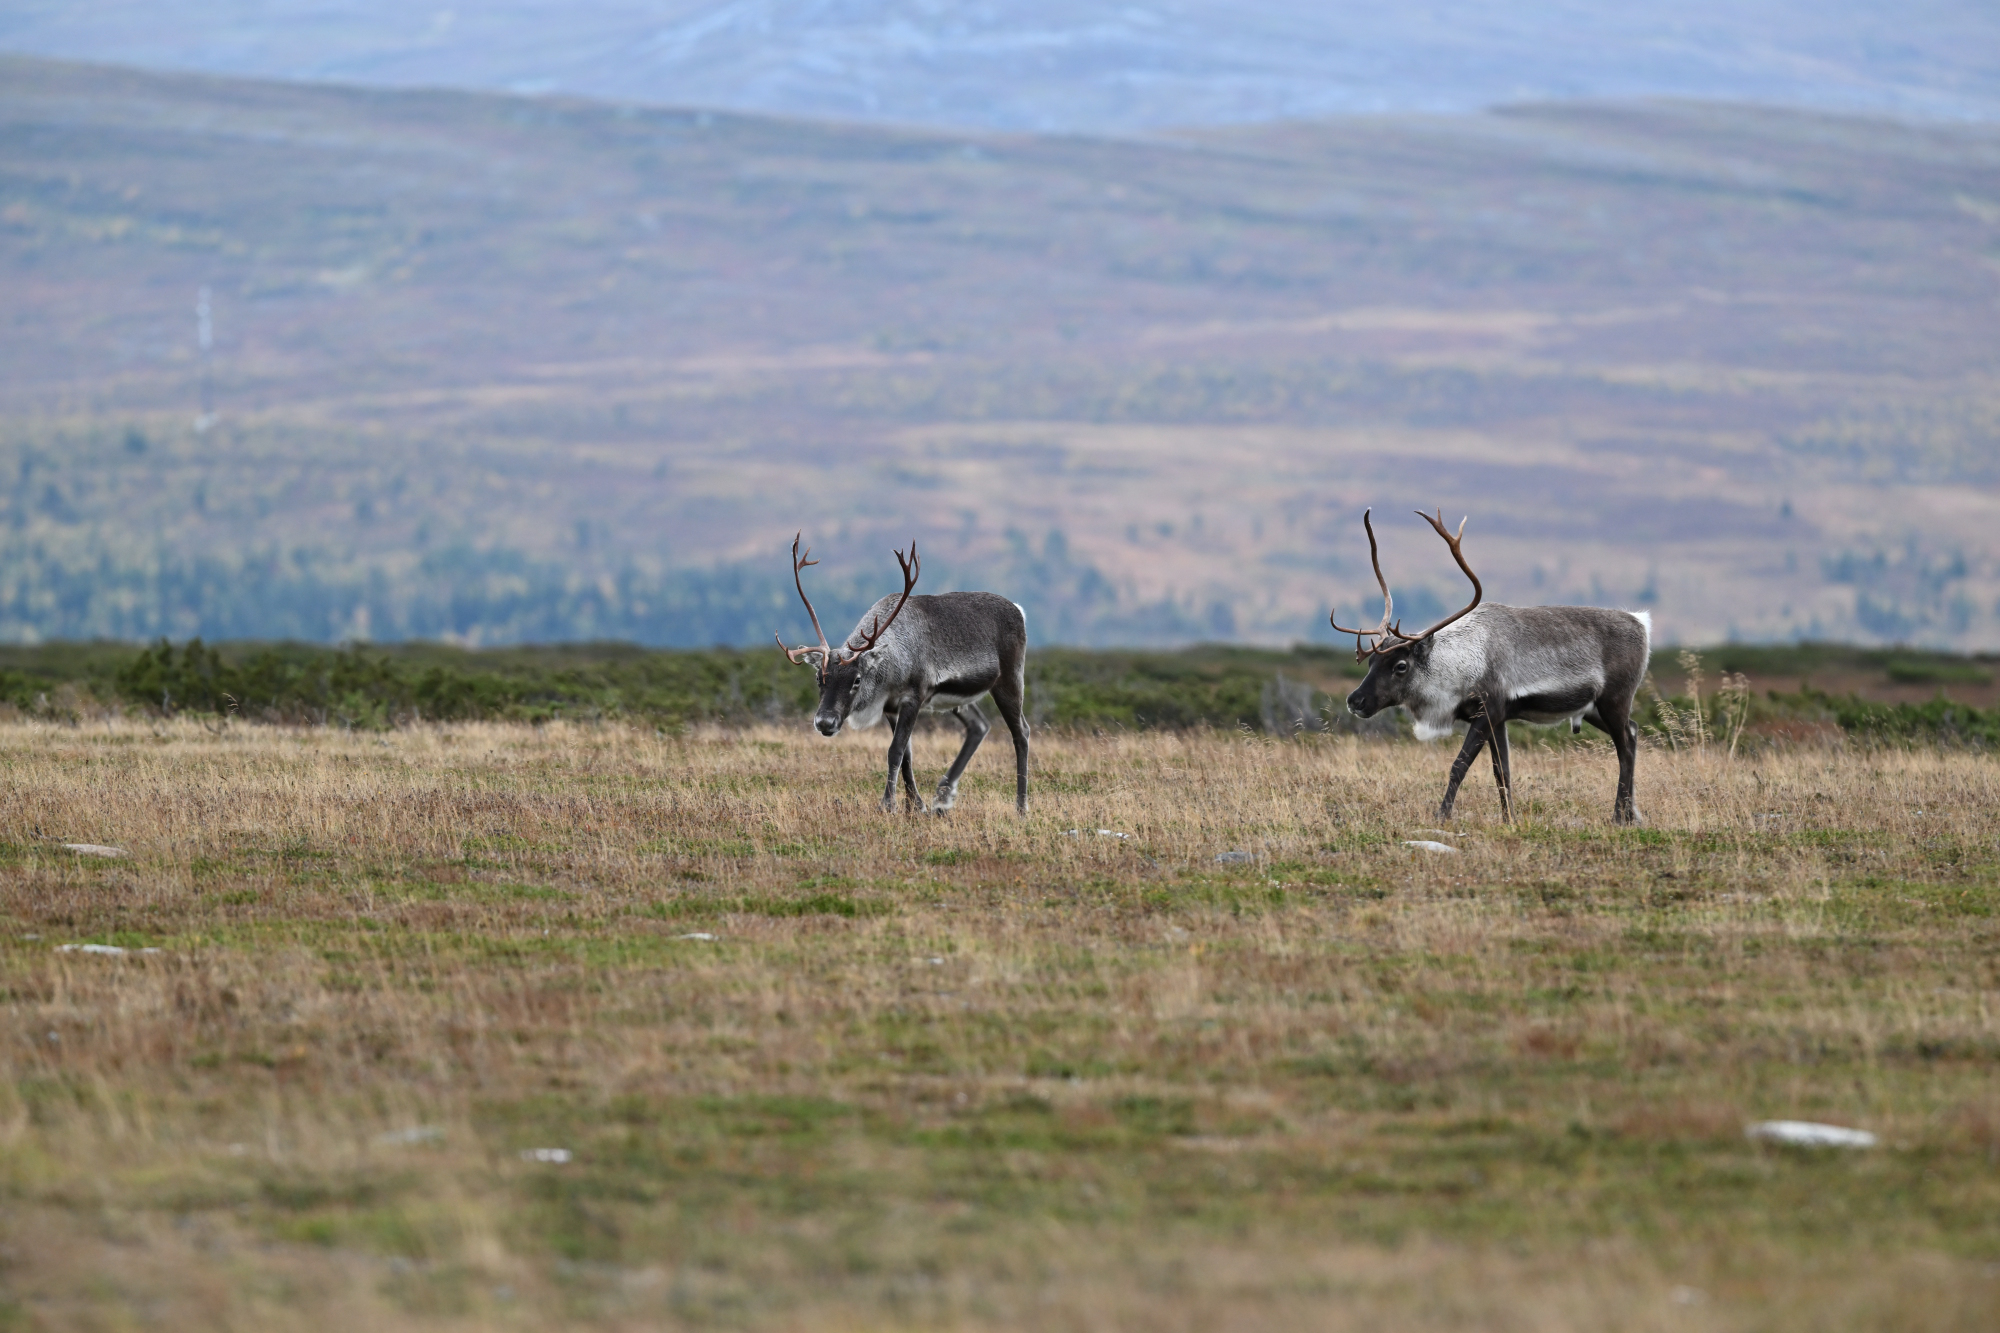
column 891, row 1070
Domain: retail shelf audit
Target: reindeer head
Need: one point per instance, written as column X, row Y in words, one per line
column 840, row 674
column 1396, row 660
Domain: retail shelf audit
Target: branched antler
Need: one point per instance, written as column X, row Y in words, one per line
column 868, row 637
column 1452, row 541
column 1388, row 602
column 800, row 656
column 1387, row 635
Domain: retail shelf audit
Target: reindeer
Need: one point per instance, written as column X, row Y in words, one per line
column 1488, row 665
column 946, row 651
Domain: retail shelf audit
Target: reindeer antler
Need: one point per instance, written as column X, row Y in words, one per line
column 868, row 637
column 1388, row 603
column 800, row 655
column 1452, row 541
column 1386, row 635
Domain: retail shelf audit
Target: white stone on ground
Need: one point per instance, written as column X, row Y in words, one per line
column 1810, row 1134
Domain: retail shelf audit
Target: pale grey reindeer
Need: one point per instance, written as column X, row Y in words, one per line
column 1488, row 665
column 910, row 655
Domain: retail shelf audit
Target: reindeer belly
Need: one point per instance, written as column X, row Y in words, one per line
column 1548, row 706
column 962, row 688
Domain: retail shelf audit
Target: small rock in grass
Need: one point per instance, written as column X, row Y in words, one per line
column 415, row 1134
column 1234, row 858
column 695, row 935
column 556, row 1155
column 1102, row 833
column 108, row 950
column 92, row 849
column 1808, row 1134
column 1425, row 845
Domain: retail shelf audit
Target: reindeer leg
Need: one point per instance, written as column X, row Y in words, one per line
column 1496, row 728
column 1628, row 777
column 976, row 727
column 1475, row 741
column 910, row 782
column 1624, row 734
column 899, row 757
column 1625, row 739
column 1007, row 696
column 895, row 759
column 907, row 733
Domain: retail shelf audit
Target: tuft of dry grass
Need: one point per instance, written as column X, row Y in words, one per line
column 818, row 1067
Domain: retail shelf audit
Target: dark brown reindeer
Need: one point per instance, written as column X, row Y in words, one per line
column 910, row 655
column 1488, row 665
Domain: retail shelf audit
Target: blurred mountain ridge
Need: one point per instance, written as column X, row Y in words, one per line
column 1086, row 67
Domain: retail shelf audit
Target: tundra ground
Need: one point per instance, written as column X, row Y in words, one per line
column 498, row 1026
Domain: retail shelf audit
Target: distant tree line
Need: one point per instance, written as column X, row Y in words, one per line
column 497, row 596
column 1281, row 692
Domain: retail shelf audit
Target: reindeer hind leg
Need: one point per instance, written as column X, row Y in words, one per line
column 1007, row 696
column 976, row 727
column 1617, row 723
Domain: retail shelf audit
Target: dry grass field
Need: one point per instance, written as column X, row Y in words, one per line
column 488, row 1026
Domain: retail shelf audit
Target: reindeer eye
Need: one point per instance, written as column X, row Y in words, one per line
column 1403, row 667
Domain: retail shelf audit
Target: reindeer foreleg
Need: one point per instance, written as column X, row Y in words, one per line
column 899, row 759
column 1495, row 706
column 1475, row 741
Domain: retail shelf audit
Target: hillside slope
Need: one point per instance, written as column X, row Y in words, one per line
column 1074, row 66
column 502, row 368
